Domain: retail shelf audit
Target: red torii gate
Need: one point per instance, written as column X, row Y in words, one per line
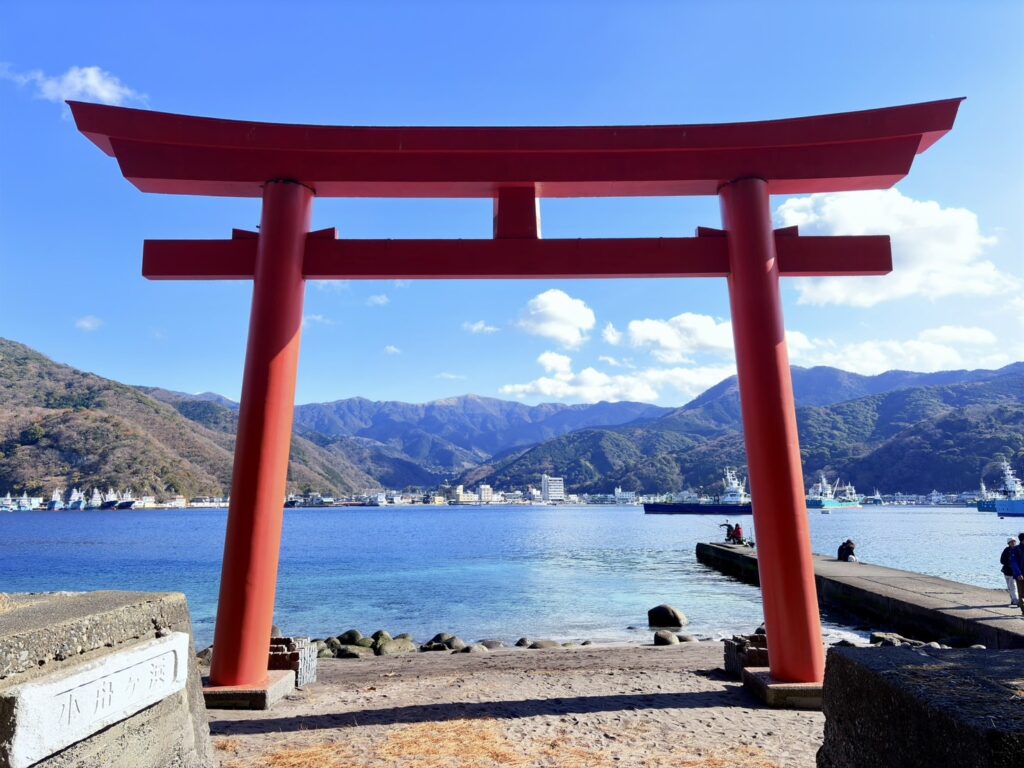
column 287, row 165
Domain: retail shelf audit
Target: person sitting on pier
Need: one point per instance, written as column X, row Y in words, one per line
column 737, row 534
column 846, row 552
column 1008, row 559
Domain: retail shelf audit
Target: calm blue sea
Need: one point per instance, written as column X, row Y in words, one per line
column 567, row 573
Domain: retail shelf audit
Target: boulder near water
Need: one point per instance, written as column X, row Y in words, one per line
column 664, row 637
column 666, row 616
column 396, row 647
column 350, row 636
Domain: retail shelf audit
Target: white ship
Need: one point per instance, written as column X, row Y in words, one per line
column 76, row 501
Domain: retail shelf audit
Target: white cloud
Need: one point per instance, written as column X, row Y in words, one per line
column 937, row 251
column 450, row 376
column 316, row 320
column 612, row 361
column 331, row 286
column 391, row 349
column 555, row 315
column 403, row 283
column 591, row 385
column 78, row 83
column 377, row 300
column 958, row 334
column 479, row 327
column 946, row 347
column 559, row 365
column 677, row 339
column 88, row 323
column 612, row 335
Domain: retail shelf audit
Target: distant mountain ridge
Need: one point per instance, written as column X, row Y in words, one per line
column 847, row 437
column 899, row 430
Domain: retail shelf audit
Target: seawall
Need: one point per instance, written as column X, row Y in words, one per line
column 912, row 604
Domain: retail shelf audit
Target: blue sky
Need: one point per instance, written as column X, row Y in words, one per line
column 71, row 229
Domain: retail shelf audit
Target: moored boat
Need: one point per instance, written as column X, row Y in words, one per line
column 56, row 501
column 734, row 500
column 110, row 499
column 824, row 495
column 1011, row 490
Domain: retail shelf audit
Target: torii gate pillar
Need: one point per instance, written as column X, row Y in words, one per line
column 245, row 611
column 785, row 564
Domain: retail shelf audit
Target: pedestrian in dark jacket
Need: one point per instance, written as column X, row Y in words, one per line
column 1007, row 560
column 1017, row 566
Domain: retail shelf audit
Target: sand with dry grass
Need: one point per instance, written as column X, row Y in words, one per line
column 594, row 707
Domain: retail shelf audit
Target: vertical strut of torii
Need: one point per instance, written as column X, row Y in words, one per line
column 289, row 165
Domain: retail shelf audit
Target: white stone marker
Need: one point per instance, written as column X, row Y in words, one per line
column 55, row 711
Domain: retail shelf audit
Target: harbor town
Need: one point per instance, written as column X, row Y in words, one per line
column 822, row 495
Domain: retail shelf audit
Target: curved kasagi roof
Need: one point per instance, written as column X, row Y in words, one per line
column 181, row 154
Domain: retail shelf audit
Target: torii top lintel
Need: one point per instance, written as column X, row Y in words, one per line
column 180, row 154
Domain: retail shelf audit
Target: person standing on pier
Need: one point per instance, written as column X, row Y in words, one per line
column 1011, row 570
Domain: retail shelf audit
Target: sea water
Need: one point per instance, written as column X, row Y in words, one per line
column 560, row 572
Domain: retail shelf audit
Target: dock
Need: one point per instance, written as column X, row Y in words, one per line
column 915, row 605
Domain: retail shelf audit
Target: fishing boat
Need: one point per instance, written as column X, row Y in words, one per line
column 95, row 501
column 7, row 504
column 1010, row 490
column 824, row 495
column 127, row 501
column 56, row 501
column 76, row 501
column 110, row 499
column 1007, row 501
column 734, row 500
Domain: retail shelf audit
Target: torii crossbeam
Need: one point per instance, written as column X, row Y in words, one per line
column 287, row 165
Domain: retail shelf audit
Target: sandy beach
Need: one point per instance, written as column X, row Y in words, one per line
column 584, row 707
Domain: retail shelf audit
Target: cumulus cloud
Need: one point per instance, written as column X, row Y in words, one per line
column 936, row 251
column 946, row 347
column 555, row 315
column 612, row 335
column 591, row 385
column 77, row 83
column 377, row 300
column 391, row 349
column 88, row 323
column 677, row 339
column 478, row 327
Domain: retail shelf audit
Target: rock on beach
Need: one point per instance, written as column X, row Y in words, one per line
column 666, row 616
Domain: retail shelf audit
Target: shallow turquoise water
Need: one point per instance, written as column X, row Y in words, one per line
column 561, row 572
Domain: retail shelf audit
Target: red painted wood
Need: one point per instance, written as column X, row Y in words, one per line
column 252, row 546
column 191, row 155
column 328, row 259
column 795, row 649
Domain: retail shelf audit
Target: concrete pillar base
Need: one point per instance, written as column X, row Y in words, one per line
column 264, row 695
column 758, row 681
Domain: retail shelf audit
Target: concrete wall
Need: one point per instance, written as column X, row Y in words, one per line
column 43, row 637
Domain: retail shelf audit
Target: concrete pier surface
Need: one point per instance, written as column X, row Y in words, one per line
column 919, row 606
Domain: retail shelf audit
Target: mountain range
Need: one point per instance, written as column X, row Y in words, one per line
column 60, row 427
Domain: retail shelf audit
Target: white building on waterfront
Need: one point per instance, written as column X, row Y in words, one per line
column 486, row 493
column 552, row 488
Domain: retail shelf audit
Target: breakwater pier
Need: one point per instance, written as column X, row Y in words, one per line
column 910, row 603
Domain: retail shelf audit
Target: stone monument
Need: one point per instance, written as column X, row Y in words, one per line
column 100, row 679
